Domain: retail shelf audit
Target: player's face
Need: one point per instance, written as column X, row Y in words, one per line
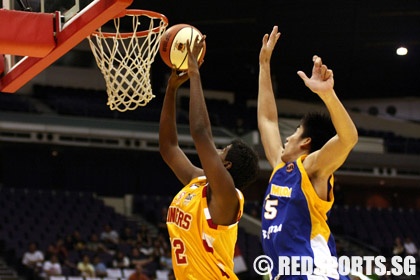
column 292, row 146
column 223, row 152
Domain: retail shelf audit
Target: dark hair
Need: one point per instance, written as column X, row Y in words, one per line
column 244, row 159
column 319, row 127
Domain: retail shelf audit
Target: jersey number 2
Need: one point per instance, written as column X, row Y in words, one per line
column 179, row 250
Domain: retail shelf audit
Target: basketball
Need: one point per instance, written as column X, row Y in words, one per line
column 173, row 45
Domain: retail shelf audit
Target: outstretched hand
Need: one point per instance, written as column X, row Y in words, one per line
column 268, row 44
column 193, row 53
column 177, row 78
column 321, row 82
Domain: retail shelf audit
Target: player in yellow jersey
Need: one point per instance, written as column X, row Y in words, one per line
column 203, row 217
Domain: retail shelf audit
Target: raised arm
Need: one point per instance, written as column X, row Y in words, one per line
column 224, row 202
column 169, row 149
column 321, row 163
column 268, row 123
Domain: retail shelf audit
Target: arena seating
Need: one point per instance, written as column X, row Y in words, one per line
column 43, row 216
column 375, row 226
column 92, row 103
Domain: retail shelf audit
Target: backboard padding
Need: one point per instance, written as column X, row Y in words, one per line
column 96, row 14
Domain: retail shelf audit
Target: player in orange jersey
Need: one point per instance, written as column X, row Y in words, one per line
column 203, row 217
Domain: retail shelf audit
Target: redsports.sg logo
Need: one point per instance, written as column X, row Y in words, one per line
column 331, row 267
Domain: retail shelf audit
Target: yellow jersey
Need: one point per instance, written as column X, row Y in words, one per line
column 200, row 249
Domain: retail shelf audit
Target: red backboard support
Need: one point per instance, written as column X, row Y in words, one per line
column 72, row 33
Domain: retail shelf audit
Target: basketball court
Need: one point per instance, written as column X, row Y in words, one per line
column 36, row 33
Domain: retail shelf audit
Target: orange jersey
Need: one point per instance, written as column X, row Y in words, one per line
column 200, row 249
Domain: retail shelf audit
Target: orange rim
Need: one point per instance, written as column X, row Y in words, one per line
column 143, row 33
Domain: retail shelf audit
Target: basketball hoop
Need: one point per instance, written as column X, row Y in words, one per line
column 125, row 59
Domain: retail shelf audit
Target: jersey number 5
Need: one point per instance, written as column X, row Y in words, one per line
column 179, row 251
column 270, row 209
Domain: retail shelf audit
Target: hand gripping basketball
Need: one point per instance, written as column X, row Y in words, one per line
column 173, row 46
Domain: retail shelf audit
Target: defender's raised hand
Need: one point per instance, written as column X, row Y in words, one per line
column 268, row 44
column 322, row 81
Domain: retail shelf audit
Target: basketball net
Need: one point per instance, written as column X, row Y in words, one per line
column 125, row 59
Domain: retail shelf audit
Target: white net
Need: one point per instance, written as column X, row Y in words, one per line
column 125, row 59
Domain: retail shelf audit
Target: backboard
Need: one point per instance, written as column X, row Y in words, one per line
column 73, row 21
column 68, row 8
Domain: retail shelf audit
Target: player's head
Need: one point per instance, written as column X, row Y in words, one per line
column 313, row 132
column 319, row 128
column 244, row 166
